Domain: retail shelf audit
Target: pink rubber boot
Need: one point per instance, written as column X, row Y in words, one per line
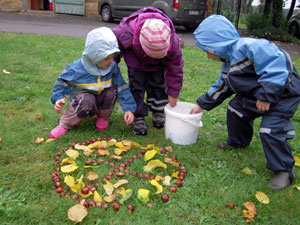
column 57, row 132
column 101, row 124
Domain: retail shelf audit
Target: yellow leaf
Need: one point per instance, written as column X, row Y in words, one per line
column 86, row 150
column 108, row 187
column 96, row 144
column 250, row 206
column 109, row 198
column 120, row 183
column 97, row 197
column 39, row 140
column 77, row 187
column 119, row 145
column 157, row 185
column 69, row 168
column 5, row 71
column 175, row 174
column 118, row 151
column 72, row 154
column 112, row 142
column 92, row 176
column 91, row 166
column 104, row 143
column 247, row 171
column 49, row 140
column 69, row 180
column 68, row 160
column 158, row 178
column 143, row 195
column 126, row 143
column 134, row 144
column 297, row 161
column 153, row 164
column 296, row 186
column 262, row 197
column 125, row 195
column 149, row 155
column 77, row 213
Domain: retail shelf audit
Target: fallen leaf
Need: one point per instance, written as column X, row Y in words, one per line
column 297, row 161
column 247, row 171
column 159, row 187
column 97, row 197
column 49, row 140
column 124, row 195
column 68, row 168
column 149, row 155
column 143, row 195
column 171, row 161
column 0, row 139
column 115, row 157
column 175, row 174
column 104, row 144
column 92, row 176
column 120, row 183
column 72, row 154
column 167, row 181
column 77, row 213
column 77, row 187
column 91, row 166
column 108, row 187
column 153, row 164
column 135, row 144
column 118, row 151
column 231, row 205
column 103, row 152
column 250, row 213
column 5, row 71
column 69, row 180
column 109, row 198
column 169, row 148
column 39, row 140
column 112, row 142
column 87, row 195
column 262, row 197
column 296, row 186
column 38, row 116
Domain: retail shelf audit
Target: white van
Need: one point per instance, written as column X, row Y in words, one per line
column 188, row 13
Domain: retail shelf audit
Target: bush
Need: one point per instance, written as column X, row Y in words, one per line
column 260, row 26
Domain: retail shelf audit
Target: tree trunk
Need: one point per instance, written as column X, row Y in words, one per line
column 291, row 10
column 267, row 8
column 277, row 13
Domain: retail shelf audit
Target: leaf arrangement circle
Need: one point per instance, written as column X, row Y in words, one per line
column 94, row 173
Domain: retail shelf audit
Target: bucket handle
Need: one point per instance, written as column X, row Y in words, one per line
column 192, row 123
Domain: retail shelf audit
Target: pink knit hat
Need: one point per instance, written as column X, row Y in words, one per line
column 155, row 38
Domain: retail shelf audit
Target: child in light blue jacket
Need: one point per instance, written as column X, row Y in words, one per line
column 93, row 83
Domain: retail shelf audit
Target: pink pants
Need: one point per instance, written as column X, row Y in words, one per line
column 84, row 106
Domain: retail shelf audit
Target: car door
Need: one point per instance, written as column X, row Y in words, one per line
column 122, row 8
column 138, row 4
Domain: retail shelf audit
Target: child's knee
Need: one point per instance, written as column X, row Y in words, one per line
column 84, row 105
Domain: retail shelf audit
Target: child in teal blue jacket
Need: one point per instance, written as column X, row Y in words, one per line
column 93, row 84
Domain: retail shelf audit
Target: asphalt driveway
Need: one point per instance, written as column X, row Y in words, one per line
column 49, row 23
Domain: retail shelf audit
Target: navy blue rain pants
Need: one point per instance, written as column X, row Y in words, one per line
column 274, row 133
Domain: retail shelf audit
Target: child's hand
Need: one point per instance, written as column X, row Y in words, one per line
column 262, row 106
column 172, row 101
column 196, row 109
column 128, row 117
column 59, row 104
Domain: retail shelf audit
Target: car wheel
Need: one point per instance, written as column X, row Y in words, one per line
column 106, row 13
column 294, row 30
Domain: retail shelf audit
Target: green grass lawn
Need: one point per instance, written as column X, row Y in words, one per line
column 27, row 192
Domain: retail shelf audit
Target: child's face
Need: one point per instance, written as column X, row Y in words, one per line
column 105, row 63
column 213, row 56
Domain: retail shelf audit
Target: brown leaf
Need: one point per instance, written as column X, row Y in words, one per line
column 110, row 198
column 120, row 183
column 77, row 213
column 115, row 157
column 39, row 140
column 92, row 176
column 103, row 152
column 38, row 116
column 250, row 213
column 169, row 148
column 231, row 205
column 0, row 139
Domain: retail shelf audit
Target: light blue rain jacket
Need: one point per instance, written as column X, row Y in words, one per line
column 84, row 76
column 254, row 69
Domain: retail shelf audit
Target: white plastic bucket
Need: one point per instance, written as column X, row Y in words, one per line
column 181, row 126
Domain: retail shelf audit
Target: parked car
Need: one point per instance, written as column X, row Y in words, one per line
column 294, row 25
column 188, row 13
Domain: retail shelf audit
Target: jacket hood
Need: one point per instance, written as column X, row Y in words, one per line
column 216, row 34
column 99, row 43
